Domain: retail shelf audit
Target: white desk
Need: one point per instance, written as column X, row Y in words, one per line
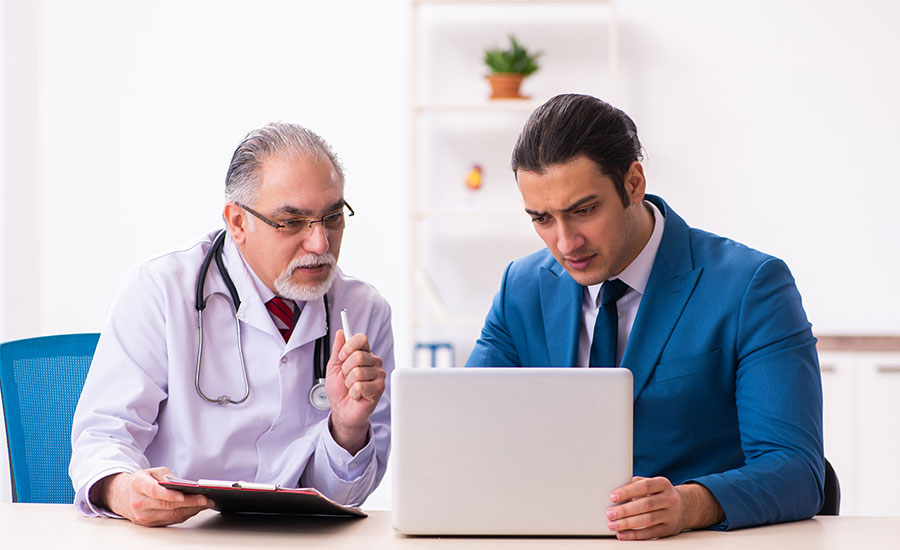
column 60, row 526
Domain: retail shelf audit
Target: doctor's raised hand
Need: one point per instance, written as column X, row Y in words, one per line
column 354, row 382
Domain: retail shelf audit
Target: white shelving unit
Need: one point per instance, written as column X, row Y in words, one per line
column 461, row 240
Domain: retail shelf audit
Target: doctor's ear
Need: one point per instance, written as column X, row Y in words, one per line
column 236, row 221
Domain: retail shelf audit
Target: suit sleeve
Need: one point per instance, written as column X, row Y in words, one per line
column 496, row 347
column 779, row 402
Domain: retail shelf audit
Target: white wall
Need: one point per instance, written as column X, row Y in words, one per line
column 4, row 457
column 19, row 205
column 772, row 122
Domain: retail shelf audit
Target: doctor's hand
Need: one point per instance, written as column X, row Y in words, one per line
column 651, row 508
column 354, row 382
column 140, row 498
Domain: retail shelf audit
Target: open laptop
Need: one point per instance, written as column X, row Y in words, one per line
column 509, row 451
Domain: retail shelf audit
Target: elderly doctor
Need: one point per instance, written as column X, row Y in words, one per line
column 240, row 398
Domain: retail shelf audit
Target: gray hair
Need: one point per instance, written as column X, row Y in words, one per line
column 276, row 138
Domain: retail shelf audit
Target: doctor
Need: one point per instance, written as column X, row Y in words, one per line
column 240, row 398
column 727, row 394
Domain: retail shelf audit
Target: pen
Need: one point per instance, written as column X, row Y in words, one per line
column 346, row 325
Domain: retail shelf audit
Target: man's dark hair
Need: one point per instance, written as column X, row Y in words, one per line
column 571, row 125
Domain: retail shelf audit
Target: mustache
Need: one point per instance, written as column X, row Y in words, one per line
column 312, row 260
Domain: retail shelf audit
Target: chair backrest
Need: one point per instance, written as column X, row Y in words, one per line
column 832, row 504
column 41, row 381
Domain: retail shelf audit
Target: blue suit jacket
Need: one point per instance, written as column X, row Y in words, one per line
column 727, row 390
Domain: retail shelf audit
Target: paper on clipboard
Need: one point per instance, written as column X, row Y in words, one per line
column 260, row 498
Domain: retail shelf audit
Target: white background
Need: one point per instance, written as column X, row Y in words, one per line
column 772, row 122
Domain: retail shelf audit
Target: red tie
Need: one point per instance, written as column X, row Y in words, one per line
column 283, row 315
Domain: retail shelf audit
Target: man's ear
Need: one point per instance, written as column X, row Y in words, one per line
column 236, row 221
column 635, row 184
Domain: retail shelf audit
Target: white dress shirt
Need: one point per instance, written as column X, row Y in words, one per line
column 140, row 409
column 635, row 275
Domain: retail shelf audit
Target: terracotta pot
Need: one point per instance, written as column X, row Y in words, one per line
column 506, row 85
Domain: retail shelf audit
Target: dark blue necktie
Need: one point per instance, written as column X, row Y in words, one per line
column 606, row 329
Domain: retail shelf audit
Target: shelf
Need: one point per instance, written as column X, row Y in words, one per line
column 482, row 106
column 426, row 2
column 451, row 320
column 461, row 241
column 470, row 214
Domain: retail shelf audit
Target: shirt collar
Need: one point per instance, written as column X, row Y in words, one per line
column 637, row 273
column 264, row 292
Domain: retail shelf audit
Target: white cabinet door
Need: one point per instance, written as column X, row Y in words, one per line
column 879, row 434
column 840, row 419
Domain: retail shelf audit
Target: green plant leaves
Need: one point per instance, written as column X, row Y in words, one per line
column 516, row 59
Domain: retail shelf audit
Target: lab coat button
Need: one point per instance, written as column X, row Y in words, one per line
column 283, row 360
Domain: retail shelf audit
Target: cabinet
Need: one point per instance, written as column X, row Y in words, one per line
column 462, row 239
column 860, row 387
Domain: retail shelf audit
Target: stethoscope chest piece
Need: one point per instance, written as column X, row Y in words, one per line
column 318, row 397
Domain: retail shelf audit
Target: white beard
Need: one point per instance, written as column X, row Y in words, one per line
column 287, row 288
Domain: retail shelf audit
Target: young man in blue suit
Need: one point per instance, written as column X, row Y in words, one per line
column 727, row 391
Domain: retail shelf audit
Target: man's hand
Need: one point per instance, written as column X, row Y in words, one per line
column 651, row 508
column 354, row 382
column 140, row 498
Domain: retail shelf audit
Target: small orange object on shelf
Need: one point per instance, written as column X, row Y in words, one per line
column 473, row 180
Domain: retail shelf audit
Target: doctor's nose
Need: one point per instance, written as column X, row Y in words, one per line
column 317, row 239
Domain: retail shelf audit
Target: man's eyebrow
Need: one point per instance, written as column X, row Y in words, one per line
column 574, row 206
column 306, row 212
column 579, row 203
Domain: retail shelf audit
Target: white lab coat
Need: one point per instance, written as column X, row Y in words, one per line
column 139, row 407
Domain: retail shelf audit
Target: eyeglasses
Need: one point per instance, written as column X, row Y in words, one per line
column 296, row 226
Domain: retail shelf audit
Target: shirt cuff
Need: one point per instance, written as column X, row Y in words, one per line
column 83, row 495
column 715, row 487
column 345, row 466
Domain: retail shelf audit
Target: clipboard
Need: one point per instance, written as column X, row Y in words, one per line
column 260, row 498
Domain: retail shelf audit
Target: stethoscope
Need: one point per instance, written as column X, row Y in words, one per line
column 317, row 396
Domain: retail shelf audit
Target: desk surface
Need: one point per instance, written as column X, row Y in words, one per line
column 60, row 526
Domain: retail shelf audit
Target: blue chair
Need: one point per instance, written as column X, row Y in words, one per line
column 41, row 380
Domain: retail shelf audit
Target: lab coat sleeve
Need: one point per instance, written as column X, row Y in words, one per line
column 779, row 400
column 332, row 470
column 115, row 419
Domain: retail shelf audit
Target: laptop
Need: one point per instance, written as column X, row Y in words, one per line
column 509, row 451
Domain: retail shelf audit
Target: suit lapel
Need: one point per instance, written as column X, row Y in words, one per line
column 671, row 283
column 561, row 310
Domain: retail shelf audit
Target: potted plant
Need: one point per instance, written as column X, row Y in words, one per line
column 508, row 68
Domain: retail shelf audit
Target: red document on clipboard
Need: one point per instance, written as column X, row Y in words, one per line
column 261, row 498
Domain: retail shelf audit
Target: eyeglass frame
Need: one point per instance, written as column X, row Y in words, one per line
column 311, row 221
